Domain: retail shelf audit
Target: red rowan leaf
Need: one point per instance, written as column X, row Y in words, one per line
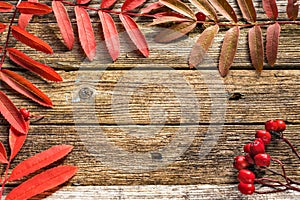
column 228, row 50
column 31, row 40
column 5, row 7
column 169, row 14
column 292, row 9
column 175, row 32
column 167, row 19
column 256, row 46
column 205, row 7
column 86, row 33
column 179, row 7
column 42, row 182
column 135, row 34
column 151, row 7
column 83, row 1
column 40, row 69
column 248, row 10
column 25, row 87
column 11, row 113
column 24, row 19
column 111, row 35
column 225, row 9
column 202, row 45
column 3, row 154
column 273, row 34
column 39, row 161
column 131, row 4
column 107, row 3
column 16, row 140
column 64, row 23
column 270, row 8
column 2, row 27
column 33, row 8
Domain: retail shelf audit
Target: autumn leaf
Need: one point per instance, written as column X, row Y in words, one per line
column 83, row 1
column 205, row 7
column 2, row 27
column 107, row 3
column 167, row 19
column 111, row 35
column 151, row 7
column 202, row 45
column 175, row 32
column 16, row 140
column 135, row 34
column 273, row 33
column 270, row 8
column 248, row 10
column 64, row 23
column 11, row 113
column 256, row 47
column 25, row 87
column 86, row 33
column 228, row 50
column 42, row 182
column 33, row 8
column 5, row 6
column 40, row 69
column 3, row 154
column 179, row 7
column 24, row 19
column 225, row 9
column 131, row 4
column 292, row 9
column 31, row 40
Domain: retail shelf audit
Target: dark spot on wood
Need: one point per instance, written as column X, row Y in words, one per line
column 85, row 93
column 156, row 156
column 235, row 96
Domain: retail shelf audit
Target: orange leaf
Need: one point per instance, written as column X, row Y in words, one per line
column 131, row 4
column 64, row 23
column 42, row 182
column 31, row 40
column 202, row 45
column 292, row 9
column 167, row 19
column 248, row 10
column 110, row 34
column 270, row 8
column 34, row 8
column 3, row 154
column 28, row 63
column 179, row 7
column 2, row 27
column 24, row 19
column 16, row 140
column 107, row 3
column 205, row 7
column 228, row 50
column 86, row 33
column 39, row 161
column 225, row 9
column 5, row 7
column 151, row 7
column 83, row 1
column 256, row 48
column 25, row 87
column 175, row 32
column 11, row 113
column 273, row 34
column 135, row 34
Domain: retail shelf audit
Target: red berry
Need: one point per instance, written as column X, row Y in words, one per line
column 240, row 162
column 245, row 188
column 200, row 16
column 262, row 160
column 271, row 125
column 25, row 113
column 264, row 135
column 247, row 148
column 249, row 159
column 257, row 147
column 281, row 126
column 246, row 176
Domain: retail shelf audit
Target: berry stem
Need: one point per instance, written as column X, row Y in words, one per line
column 291, row 146
column 283, row 169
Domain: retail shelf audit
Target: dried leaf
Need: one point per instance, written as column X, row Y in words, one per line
column 179, row 7
column 151, row 7
column 225, row 9
column 40, row 69
column 24, row 19
column 292, row 9
column 11, row 113
column 131, row 4
column 273, row 34
column 86, row 33
column 270, row 8
column 83, row 1
column 111, row 35
column 107, row 3
column 256, row 47
column 248, row 10
column 3, row 154
column 175, row 32
column 167, row 19
column 168, row 14
column 16, row 140
column 31, row 40
column 34, row 8
column 25, row 87
column 64, row 23
column 228, row 50
column 5, row 6
column 205, row 7
column 2, row 27
column 42, row 182
column 202, row 45
column 135, row 34
column 39, row 161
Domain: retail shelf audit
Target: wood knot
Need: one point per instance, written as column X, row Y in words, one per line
column 85, row 93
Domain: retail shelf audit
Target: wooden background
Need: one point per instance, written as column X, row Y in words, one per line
column 95, row 89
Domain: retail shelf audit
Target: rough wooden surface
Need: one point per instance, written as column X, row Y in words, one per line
column 151, row 128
